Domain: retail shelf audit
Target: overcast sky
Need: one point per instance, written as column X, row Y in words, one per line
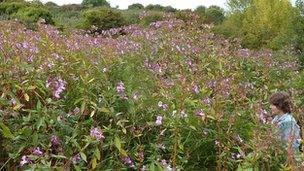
column 179, row 4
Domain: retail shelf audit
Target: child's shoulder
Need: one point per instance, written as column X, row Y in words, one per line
column 289, row 118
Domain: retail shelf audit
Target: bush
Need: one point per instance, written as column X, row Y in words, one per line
column 170, row 9
column 215, row 14
column 136, row 6
column 156, row 7
column 51, row 4
column 71, row 7
column 131, row 16
column 95, row 3
column 151, row 17
column 261, row 27
column 9, row 8
column 102, row 18
column 33, row 14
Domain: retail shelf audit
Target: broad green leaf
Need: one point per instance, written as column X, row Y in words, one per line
column 117, row 143
column 6, row 131
column 94, row 163
column 83, row 156
column 97, row 154
column 105, row 110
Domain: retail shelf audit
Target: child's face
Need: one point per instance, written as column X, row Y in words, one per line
column 274, row 110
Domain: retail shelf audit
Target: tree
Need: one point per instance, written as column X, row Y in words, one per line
column 201, row 9
column 95, row 3
column 156, row 7
column 215, row 14
column 51, row 4
column 300, row 6
column 170, row 9
column 299, row 31
column 271, row 22
column 136, row 6
column 238, row 5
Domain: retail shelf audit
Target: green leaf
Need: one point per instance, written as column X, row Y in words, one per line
column 152, row 167
column 35, row 139
column 94, row 163
column 58, row 156
column 6, row 131
column 105, row 110
column 83, row 105
column 77, row 168
column 38, row 106
column 117, row 143
column 97, row 154
column 83, row 156
column 40, row 123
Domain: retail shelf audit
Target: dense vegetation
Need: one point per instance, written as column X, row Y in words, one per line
column 149, row 88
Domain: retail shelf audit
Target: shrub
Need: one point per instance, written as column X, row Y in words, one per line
column 102, row 18
column 136, row 6
column 150, row 17
column 131, row 16
column 95, row 3
column 215, row 14
column 11, row 7
column 156, row 7
column 33, row 14
column 71, row 7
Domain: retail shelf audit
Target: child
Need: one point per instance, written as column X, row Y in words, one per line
column 288, row 129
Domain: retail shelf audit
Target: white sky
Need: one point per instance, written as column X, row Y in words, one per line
column 179, row 4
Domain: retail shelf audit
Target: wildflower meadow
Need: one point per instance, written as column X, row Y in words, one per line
column 172, row 95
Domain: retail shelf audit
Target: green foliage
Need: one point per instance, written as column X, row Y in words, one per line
column 136, row 6
column 273, row 30
column 201, row 10
column 238, row 5
column 10, row 8
column 209, row 93
column 258, row 26
column 151, row 17
column 102, row 18
column 95, row 3
column 298, row 26
column 184, row 15
column 214, row 14
column 155, row 7
column 51, row 4
column 131, row 16
column 72, row 7
column 33, row 14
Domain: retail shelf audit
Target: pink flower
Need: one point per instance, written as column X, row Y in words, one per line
column 159, row 120
column 164, row 162
column 57, row 86
column 120, row 88
column 195, row 89
column 76, row 159
column 37, row 151
column 200, row 113
column 55, row 140
column 97, row 133
column 25, row 160
column 127, row 161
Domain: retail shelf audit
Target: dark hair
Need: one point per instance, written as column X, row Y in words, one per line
column 282, row 101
